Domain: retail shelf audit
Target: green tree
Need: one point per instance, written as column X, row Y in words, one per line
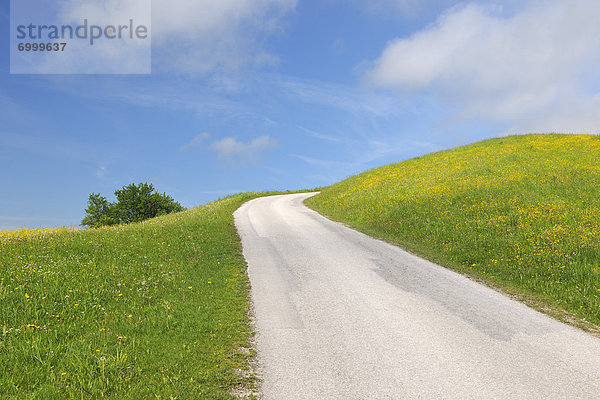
column 134, row 203
column 99, row 212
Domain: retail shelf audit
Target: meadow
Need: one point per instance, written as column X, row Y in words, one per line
column 520, row 213
column 157, row 309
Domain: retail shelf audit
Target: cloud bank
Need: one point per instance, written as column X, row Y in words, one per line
column 531, row 70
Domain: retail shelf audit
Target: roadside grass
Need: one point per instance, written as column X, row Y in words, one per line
column 157, row 309
column 520, row 213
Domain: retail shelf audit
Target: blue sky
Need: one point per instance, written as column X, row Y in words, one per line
column 289, row 94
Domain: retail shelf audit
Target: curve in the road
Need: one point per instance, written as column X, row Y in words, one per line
column 340, row 315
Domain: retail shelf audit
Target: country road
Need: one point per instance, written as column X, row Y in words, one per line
column 340, row 315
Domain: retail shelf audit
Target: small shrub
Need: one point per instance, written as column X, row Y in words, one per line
column 134, row 203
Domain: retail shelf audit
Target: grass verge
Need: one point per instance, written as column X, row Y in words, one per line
column 155, row 310
column 520, row 213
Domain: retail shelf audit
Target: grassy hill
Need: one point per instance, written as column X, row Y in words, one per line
column 521, row 213
column 157, row 309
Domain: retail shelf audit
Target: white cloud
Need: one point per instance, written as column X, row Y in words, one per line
column 79, row 56
column 532, row 70
column 190, row 36
column 404, row 8
column 197, row 141
column 231, row 149
column 349, row 99
column 416, row 9
column 200, row 36
column 101, row 171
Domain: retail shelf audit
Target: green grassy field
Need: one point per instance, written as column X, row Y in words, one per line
column 154, row 310
column 159, row 309
column 521, row 213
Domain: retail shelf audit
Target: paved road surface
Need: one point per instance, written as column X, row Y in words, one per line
column 342, row 316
